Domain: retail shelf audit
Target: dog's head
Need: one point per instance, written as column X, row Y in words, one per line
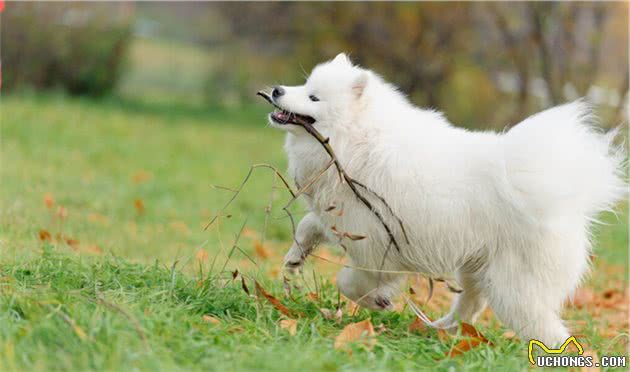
column 329, row 97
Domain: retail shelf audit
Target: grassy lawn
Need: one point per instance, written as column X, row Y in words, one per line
column 104, row 262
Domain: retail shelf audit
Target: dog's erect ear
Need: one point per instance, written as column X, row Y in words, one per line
column 342, row 58
column 359, row 84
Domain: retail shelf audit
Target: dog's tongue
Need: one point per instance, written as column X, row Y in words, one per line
column 281, row 116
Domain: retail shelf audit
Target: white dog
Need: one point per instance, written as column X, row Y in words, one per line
column 508, row 213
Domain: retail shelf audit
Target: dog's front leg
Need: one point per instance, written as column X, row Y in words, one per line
column 309, row 233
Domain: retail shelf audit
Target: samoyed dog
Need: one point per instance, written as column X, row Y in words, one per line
column 508, row 215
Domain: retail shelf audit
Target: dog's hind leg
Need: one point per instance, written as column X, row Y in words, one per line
column 467, row 305
column 526, row 286
column 308, row 235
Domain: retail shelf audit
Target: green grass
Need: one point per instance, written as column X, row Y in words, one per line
column 66, row 308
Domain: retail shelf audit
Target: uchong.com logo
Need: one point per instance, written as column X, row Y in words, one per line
column 554, row 359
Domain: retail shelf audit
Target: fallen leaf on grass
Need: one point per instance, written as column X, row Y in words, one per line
column 142, row 176
column 261, row 250
column 62, row 212
column 202, row 255
column 44, row 235
column 417, row 326
column 312, row 296
column 473, row 339
column 272, row 300
column 73, row 243
column 290, row 325
column 360, row 332
column 210, row 319
column 49, row 200
column 471, row 331
column 139, row 205
column 463, row 346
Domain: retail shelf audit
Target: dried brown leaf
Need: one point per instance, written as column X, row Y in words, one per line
column 361, row 332
column 470, row 331
column 463, row 346
column 49, row 200
column 262, row 251
column 290, row 325
column 44, row 235
column 210, row 319
column 139, row 205
column 417, row 326
column 202, row 255
column 73, row 243
column 272, row 300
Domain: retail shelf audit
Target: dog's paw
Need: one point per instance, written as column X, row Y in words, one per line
column 293, row 261
column 383, row 303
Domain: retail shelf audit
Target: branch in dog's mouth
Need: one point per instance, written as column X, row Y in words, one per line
column 345, row 178
column 286, row 117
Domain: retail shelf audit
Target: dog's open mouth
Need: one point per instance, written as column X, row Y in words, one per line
column 282, row 116
column 285, row 117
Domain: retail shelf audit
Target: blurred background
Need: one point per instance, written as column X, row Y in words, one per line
column 484, row 64
column 121, row 118
column 127, row 126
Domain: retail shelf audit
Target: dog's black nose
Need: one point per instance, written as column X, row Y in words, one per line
column 277, row 92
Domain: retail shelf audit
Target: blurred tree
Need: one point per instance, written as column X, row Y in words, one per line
column 77, row 46
column 414, row 45
column 546, row 52
column 561, row 43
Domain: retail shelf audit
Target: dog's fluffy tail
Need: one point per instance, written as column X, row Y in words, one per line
column 559, row 163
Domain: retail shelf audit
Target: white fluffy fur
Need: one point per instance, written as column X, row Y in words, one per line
column 508, row 213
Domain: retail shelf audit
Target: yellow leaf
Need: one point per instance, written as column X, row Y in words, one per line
column 290, row 325
column 49, row 200
column 202, row 255
column 360, row 332
column 44, row 235
column 261, row 250
column 142, row 176
column 139, row 204
column 210, row 319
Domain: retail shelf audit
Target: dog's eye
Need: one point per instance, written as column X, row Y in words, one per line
column 313, row 98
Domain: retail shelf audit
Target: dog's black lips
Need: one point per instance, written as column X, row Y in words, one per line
column 286, row 117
